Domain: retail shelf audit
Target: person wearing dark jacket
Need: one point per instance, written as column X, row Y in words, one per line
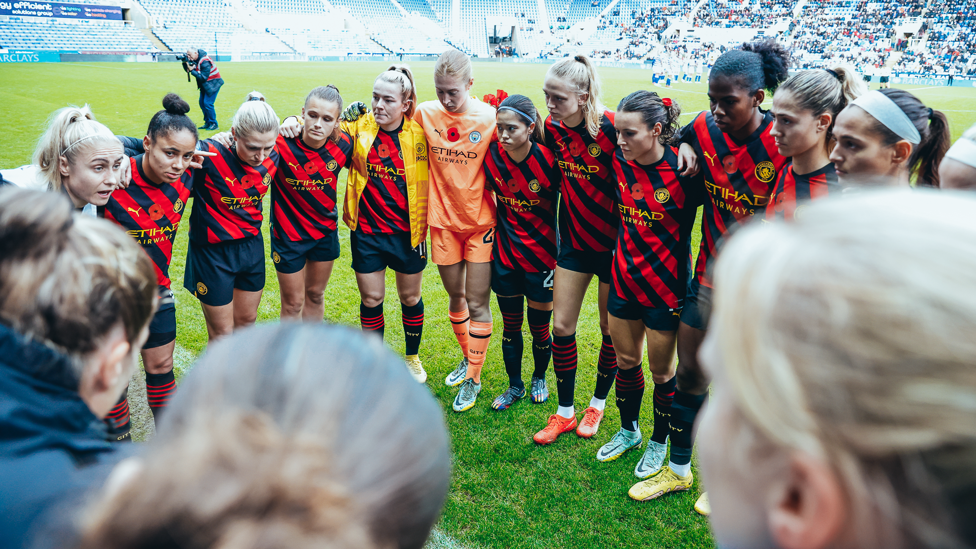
column 199, row 64
column 76, row 298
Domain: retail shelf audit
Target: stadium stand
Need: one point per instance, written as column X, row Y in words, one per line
column 101, row 36
column 910, row 37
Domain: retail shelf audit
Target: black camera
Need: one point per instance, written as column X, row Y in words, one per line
column 181, row 57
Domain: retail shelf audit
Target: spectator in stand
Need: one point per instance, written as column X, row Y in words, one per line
column 958, row 168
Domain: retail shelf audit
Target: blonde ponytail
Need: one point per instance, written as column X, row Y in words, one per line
column 69, row 131
column 254, row 117
column 580, row 73
column 401, row 75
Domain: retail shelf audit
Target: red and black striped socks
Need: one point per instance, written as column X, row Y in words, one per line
column 541, row 340
column 564, row 360
column 413, row 327
column 663, row 397
column 371, row 319
column 159, row 389
column 117, row 419
column 513, row 316
column 630, row 392
column 606, row 369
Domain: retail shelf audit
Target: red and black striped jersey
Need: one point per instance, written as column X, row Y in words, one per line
column 383, row 205
column 228, row 195
column 587, row 215
column 657, row 214
column 526, row 192
column 303, row 194
column 739, row 178
column 792, row 190
column 151, row 213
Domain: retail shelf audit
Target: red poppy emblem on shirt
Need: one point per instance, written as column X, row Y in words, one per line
column 250, row 180
column 310, row 167
column 383, row 150
column 575, row 148
column 453, row 134
column 155, row 212
column 513, row 185
column 637, row 191
column 730, row 164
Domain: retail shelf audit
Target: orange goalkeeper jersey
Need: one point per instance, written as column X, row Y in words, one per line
column 458, row 199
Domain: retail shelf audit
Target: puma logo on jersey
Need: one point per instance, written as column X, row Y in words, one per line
column 231, row 180
column 136, row 210
column 711, row 158
column 295, row 167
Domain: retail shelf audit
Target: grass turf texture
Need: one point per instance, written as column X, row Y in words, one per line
column 506, row 491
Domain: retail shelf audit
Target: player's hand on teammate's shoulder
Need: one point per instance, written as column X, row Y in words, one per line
column 224, row 138
column 125, row 174
column 291, row 127
column 354, row 111
column 687, row 160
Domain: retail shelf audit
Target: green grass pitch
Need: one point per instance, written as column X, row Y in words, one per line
column 506, row 491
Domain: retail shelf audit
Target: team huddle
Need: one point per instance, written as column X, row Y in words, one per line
column 525, row 207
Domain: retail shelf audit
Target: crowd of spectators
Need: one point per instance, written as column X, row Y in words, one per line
column 731, row 13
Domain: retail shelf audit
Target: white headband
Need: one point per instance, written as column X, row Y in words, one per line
column 963, row 151
column 888, row 113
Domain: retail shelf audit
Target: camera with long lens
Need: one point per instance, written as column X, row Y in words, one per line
column 181, row 57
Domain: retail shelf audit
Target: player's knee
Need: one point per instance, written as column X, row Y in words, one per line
column 409, row 300
column 163, row 366
column 690, row 378
column 315, row 297
column 561, row 328
column 628, row 361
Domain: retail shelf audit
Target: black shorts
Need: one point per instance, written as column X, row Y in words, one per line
column 654, row 318
column 698, row 305
column 214, row 271
column 884, row 80
column 867, row 77
column 598, row 263
column 162, row 327
column 375, row 252
column 511, row 282
column 290, row 256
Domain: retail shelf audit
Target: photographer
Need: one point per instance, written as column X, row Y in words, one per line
column 198, row 64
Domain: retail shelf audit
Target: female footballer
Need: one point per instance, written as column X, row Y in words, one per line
column 657, row 209
column 225, row 257
column 804, row 110
column 151, row 210
column 525, row 178
column 304, row 210
column 888, row 137
column 580, row 132
column 386, row 207
column 741, row 163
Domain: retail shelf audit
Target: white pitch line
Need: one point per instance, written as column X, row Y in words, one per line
column 439, row 540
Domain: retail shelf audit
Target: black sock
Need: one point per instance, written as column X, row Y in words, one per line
column 371, row 319
column 606, row 369
column 541, row 340
column 512, row 345
column 684, row 410
column 564, row 359
column 413, row 326
column 159, row 389
column 663, row 397
column 630, row 392
column 117, row 419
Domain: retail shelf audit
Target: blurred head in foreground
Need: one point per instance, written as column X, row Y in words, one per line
column 287, row 435
column 843, row 411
